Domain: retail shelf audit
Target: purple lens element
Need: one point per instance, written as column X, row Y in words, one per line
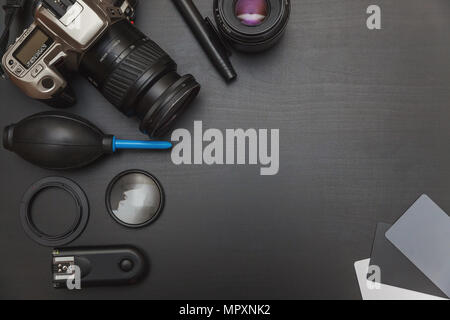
column 251, row 12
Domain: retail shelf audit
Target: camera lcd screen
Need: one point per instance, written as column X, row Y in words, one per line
column 33, row 48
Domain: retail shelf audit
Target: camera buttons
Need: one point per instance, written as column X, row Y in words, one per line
column 38, row 69
column 18, row 71
column 12, row 64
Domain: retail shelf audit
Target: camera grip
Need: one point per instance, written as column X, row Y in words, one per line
column 64, row 98
column 44, row 82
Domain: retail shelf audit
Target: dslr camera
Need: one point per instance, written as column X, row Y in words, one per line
column 97, row 39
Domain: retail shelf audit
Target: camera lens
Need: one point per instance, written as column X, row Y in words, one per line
column 252, row 25
column 251, row 12
column 138, row 77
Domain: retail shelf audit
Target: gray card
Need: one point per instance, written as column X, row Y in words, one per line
column 422, row 234
column 396, row 269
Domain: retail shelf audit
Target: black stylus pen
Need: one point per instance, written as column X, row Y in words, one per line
column 208, row 38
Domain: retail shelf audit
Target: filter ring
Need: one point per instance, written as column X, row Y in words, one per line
column 82, row 215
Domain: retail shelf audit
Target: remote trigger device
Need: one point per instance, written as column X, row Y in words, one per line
column 76, row 268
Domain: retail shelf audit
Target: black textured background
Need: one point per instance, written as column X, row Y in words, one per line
column 364, row 131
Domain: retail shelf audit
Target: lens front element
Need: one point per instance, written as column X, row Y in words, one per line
column 251, row 12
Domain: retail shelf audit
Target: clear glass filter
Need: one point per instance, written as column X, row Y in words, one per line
column 134, row 198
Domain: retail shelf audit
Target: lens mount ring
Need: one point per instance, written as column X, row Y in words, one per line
column 72, row 233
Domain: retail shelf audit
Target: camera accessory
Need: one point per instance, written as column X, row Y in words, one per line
column 397, row 270
column 67, row 201
column 134, row 198
column 422, row 234
column 99, row 266
column 61, row 141
column 96, row 38
column 385, row 292
column 252, row 25
column 207, row 35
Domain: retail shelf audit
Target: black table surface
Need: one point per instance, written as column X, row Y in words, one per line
column 364, row 131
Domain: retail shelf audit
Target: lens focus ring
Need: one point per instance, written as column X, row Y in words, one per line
column 123, row 78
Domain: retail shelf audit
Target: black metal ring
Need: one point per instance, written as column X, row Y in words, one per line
column 74, row 231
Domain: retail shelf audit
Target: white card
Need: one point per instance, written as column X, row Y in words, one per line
column 376, row 291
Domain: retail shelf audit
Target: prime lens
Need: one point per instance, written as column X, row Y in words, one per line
column 139, row 78
column 252, row 25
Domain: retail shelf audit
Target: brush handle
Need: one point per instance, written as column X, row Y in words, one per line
column 140, row 145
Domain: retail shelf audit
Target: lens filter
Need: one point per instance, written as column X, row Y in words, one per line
column 134, row 198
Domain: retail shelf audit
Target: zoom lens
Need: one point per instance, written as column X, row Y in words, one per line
column 139, row 78
column 252, row 25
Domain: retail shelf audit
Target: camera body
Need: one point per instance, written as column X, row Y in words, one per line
column 56, row 42
column 95, row 38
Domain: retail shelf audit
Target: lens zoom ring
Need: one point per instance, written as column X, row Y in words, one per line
column 124, row 76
